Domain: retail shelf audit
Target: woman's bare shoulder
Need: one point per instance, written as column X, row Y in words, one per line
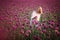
column 34, row 11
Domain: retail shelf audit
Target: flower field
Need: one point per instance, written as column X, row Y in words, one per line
column 18, row 27
column 15, row 20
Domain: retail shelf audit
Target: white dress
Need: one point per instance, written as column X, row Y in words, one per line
column 34, row 14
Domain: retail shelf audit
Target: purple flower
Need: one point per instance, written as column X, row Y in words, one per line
column 14, row 27
column 56, row 28
column 35, row 22
column 22, row 31
column 50, row 26
column 26, row 34
column 36, row 37
column 44, row 31
column 51, row 22
column 57, row 32
column 38, row 28
column 44, row 25
column 28, row 31
column 22, row 27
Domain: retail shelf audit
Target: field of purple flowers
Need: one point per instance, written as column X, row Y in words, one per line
column 18, row 27
column 15, row 20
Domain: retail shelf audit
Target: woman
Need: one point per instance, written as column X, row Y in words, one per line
column 36, row 15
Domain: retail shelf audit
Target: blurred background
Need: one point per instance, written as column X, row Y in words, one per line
column 12, row 11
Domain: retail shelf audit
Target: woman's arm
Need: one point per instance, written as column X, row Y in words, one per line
column 32, row 16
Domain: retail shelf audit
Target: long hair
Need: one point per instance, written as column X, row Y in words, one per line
column 39, row 10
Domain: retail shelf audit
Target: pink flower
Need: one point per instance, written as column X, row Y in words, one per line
column 44, row 31
column 30, row 26
column 14, row 27
column 38, row 28
column 26, row 21
column 22, row 31
column 26, row 34
column 56, row 28
column 22, row 27
column 44, row 25
column 35, row 22
column 57, row 32
column 50, row 26
column 41, row 32
column 36, row 37
column 51, row 22
column 28, row 31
